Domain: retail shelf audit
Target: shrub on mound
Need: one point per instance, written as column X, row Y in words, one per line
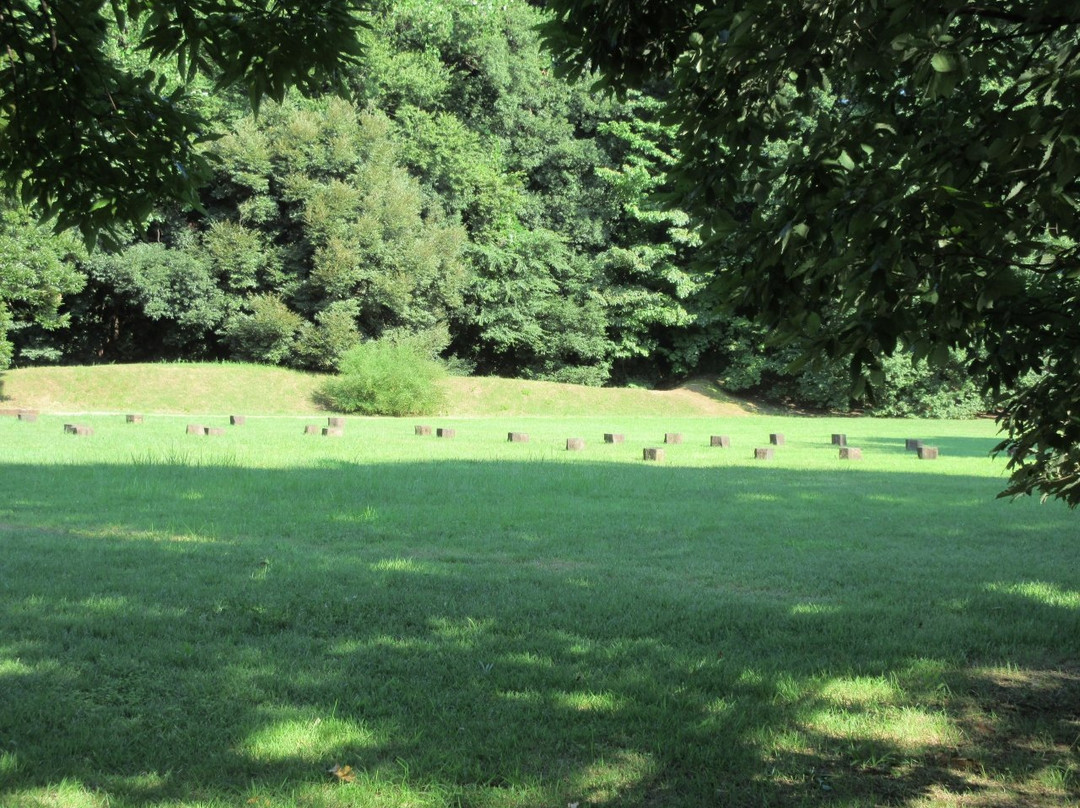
column 385, row 378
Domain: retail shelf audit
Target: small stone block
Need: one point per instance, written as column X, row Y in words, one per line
column 422, row 430
column 673, row 437
column 653, row 454
column 517, row 437
column 27, row 416
column 575, row 444
column 237, row 420
column 764, row 454
column 69, row 429
column 311, row 429
column 614, row 437
column 214, row 430
column 83, row 430
column 196, row 429
column 443, row 432
column 333, row 431
column 776, row 438
column 913, row 444
column 850, row 453
column 134, row 419
column 839, row 439
column 723, row 441
column 927, row 452
column 335, row 422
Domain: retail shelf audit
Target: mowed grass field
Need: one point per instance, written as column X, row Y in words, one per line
column 223, row 620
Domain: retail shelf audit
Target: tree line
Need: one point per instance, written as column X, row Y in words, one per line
column 452, row 189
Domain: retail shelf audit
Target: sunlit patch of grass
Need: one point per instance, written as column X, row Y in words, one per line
column 590, row 702
column 122, row 533
column 398, row 565
column 860, row 691
column 9, row 761
column 814, row 609
column 1040, row 592
column 465, row 632
column 1058, row 777
column 314, row 740
column 13, row 667
column 620, row 776
column 358, row 517
column 64, row 794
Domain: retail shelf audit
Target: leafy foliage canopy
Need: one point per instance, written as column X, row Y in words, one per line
column 98, row 120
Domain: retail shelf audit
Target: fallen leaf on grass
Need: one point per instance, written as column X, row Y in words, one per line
column 344, row 774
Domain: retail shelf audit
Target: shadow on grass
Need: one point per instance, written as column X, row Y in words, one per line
column 533, row 634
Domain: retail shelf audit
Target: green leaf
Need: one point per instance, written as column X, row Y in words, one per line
column 944, row 62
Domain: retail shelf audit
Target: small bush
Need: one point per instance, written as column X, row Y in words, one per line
column 385, row 378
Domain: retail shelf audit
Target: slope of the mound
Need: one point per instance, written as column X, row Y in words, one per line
column 485, row 396
column 161, row 388
column 263, row 390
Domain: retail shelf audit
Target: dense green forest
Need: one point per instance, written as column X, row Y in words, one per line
column 463, row 197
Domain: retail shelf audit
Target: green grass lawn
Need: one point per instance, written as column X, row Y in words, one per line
column 218, row 621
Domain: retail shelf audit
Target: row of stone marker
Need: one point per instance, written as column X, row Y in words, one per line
column 200, row 429
column 722, row 441
column 335, row 427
